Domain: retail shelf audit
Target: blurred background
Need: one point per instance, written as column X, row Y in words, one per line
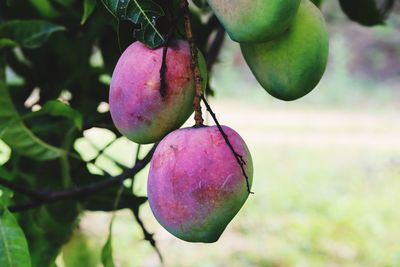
column 327, row 167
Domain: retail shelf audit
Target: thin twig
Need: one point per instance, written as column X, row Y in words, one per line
column 147, row 235
column 20, row 189
column 239, row 158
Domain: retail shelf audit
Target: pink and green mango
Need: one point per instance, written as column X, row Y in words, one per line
column 196, row 186
column 137, row 108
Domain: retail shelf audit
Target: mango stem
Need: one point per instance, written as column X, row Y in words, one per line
column 198, row 117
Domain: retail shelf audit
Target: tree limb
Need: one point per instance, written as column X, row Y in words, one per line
column 41, row 198
column 20, row 189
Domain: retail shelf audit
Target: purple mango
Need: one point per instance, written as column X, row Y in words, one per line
column 137, row 108
column 195, row 185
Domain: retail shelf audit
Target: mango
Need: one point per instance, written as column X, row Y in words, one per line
column 137, row 108
column 254, row 21
column 290, row 66
column 195, row 185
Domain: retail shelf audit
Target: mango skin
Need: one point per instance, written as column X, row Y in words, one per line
column 195, row 185
column 137, row 108
column 255, row 21
column 290, row 66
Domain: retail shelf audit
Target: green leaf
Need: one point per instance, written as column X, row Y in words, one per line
column 18, row 136
column 58, row 108
column 47, row 231
column 49, row 227
column 45, row 8
column 367, row 12
column 5, row 193
column 6, row 43
column 13, row 246
column 4, row 173
column 88, row 8
column 142, row 12
column 103, row 201
column 28, row 33
column 200, row 3
column 106, row 252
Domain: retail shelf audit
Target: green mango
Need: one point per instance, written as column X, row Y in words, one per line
column 290, row 66
column 254, row 21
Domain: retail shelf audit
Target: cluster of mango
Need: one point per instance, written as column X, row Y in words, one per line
column 198, row 181
column 285, row 42
column 195, row 184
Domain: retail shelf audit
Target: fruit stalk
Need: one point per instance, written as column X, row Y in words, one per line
column 163, row 69
column 239, row 158
column 195, row 65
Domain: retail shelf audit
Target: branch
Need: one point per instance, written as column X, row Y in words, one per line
column 20, row 189
column 83, row 191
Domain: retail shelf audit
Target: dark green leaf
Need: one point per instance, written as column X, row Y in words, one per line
column 49, row 227
column 4, row 173
column 47, row 230
column 18, row 136
column 6, row 43
column 6, row 194
column 58, row 108
column 28, row 33
column 13, row 246
column 103, row 201
column 200, row 3
column 88, row 8
column 367, row 12
column 45, row 8
column 142, row 12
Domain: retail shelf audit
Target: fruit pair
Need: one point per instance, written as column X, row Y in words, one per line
column 285, row 43
column 196, row 185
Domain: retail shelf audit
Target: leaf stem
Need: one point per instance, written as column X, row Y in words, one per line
column 239, row 158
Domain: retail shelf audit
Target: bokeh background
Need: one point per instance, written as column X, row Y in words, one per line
column 327, row 167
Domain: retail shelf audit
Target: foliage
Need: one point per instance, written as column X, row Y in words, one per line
column 67, row 50
column 13, row 246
